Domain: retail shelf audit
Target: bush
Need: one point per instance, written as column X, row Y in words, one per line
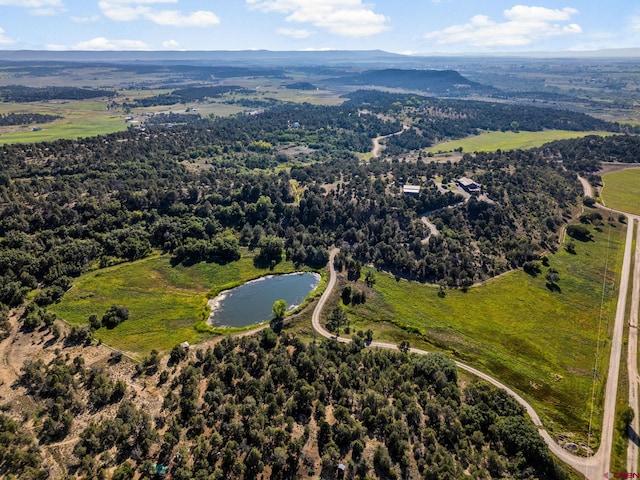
column 579, row 232
column 115, row 316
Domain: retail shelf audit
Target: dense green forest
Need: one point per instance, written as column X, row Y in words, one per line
column 205, row 189
column 185, row 95
column 21, row 93
column 272, row 406
column 25, row 118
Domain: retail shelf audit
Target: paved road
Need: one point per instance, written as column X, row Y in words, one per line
column 632, row 359
column 603, row 455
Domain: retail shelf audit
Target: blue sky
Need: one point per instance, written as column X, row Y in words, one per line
column 402, row 26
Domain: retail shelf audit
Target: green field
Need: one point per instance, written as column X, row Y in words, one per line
column 621, row 190
column 492, row 141
column 540, row 342
column 164, row 302
column 80, row 119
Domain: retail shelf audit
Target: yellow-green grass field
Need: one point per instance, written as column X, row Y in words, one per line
column 540, row 342
column 84, row 118
column 621, row 190
column 492, row 141
column 166, row 303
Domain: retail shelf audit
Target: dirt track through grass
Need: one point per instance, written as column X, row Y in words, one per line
column 539, row 341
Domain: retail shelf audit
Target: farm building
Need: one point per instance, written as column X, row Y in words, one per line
column 411, row 189
column 469, row 185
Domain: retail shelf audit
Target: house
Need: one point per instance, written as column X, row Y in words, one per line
column 411, row 189
column 469, row 185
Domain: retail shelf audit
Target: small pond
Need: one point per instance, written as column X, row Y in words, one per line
column 252, row 302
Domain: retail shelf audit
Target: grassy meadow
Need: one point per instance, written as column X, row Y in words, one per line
column 492, row 141
column 166, row 303
column 84, row 118
column 539, row 341
column 621, row 190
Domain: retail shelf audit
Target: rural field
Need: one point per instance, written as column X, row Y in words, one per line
column 621, row 190
column 167, row 304
column 539, row 341
column 80, row 119
column 492, row 141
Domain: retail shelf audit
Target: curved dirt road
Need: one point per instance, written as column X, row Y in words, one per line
column 591, row 467
column 375, row 151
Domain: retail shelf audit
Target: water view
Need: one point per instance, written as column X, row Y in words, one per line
column 251, row 303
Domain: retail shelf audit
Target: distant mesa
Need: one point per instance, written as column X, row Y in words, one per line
column 438, row 82
column 301, row 86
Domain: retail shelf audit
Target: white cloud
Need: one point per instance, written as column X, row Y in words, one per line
column 524, row 26
column 93, row 18
column 635, row 23
column 174, row 18
column 37, row 7
column 101, row 43
column 4, row 40
column 170, row 44
column 31, row 3
column 128, row 10
column 349, row 18
column 44, row 12
column 293, row 33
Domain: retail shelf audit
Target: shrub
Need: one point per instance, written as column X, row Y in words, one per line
column 115, row 315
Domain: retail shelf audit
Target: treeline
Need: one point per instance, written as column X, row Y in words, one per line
column 187, row 95
column 10, row 119
column 21, row 93
column 586, row 155
column 273, row 406
column 176, row 118
column 439, row 119
column 68, row 205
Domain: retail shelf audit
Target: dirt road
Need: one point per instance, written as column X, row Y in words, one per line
column 591, row 467
column 375, row 151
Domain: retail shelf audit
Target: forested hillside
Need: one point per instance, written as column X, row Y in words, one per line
column 208, row 188
column 273, row 407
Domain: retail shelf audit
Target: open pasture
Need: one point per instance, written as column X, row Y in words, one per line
column 540, row 341
column 621, row 190
column 492, row 141
column 80, row 119
column 167, row 304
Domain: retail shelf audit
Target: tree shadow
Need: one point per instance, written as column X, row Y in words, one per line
column 633, row 435
column 553, row 287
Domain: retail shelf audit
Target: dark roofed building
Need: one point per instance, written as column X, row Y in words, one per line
column 469, row 185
